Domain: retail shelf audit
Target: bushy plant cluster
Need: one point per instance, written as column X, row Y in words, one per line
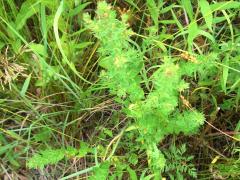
column 156, row 113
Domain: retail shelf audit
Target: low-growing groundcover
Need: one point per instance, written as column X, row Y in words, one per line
column 119, row 89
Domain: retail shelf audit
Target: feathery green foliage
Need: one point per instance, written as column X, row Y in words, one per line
column 46, row 157
column 53, row 156
column 156, row 113
column 179, row 165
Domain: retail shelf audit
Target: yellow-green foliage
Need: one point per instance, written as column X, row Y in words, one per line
column 156, row 113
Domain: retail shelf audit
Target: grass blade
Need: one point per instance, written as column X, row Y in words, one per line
column 25, row 86
column 79, row 173
column 188, row 7
column 206, row 12
column 154, row 11
column 225, row 75
column 58, row 41
column 225, row 5
column 27, row 10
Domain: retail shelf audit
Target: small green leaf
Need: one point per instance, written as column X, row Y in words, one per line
column 48, row 73
column 82, row 45
column 237, row 130
column 133, row 159
column 83, row 150
column 39, row 48
column 166, row 9
column 131, row 2
column 101, row 172
column 235, row 85
column 71, row 151
column 28, row 9
column 1, row 45
column 11, row 156
column 154, row 11
column 44, row 135
column 132, row 173
column 6, row 148
column 224, row 77
column 78, row 9
column 162, row 46
column 14, row 135
column 206, row 12
column 225, row 5
column 207, row 35
column 25, row 86
column 193, row 32
column 108, row 132
column 188, row 7
column 46, row 157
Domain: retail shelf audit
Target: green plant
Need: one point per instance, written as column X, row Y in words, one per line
column 227, row 168
column 179, row 165
column 51, row 156
column 155, row 70
column 156, row 114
